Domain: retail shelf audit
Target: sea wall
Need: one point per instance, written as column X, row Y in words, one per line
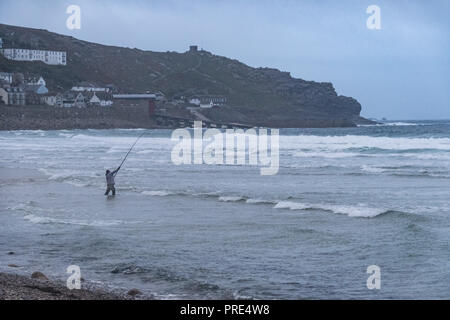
column 54, row 118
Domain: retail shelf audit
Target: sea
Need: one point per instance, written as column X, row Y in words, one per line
column 344, row 202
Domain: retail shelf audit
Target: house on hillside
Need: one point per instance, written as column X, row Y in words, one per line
column 33, row 93
column 6, row 77
column 36, row 88
column 70, row 99
column 94, row 100
column 79, row 101
column 100, row 99
column 14, row 96
column 3, row 96
column 46, row 56
column 59, row 100
column 89, row 87
column 208, row 101
column 37, row 81
column 48, row 99
column 195, row 101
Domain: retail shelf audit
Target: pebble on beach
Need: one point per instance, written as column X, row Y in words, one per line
column 134, row 292
column 38, row 275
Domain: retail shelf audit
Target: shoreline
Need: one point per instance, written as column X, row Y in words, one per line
column 121, row 117
column 37, row 286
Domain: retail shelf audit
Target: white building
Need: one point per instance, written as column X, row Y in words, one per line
column 48, row 57
column 49, row 100
column 70, row 99
column 134, row 96
column 207, row 105
column 195, row 101
column 7, row 77
column 90, row 89
column 208, row 101
column 39, row 81
column 3, row 96
column 102, row 101
column 95, row 100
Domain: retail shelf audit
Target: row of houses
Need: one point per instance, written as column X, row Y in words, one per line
column 46, row 56
column 6, row 77
column 22, row 93
column 15, row 90
column 18, row 96
column 12, row 96
column 71, row 98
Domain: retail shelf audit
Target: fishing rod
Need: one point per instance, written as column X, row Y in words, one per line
column 132, row 147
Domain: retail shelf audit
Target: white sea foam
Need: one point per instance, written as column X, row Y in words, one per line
column 349, row 210
column 64, row 174
column 47, row 220
column 158, row 193
column 372, row 169
column 321, row 145
column 239, row 296
column 78, row 184
column 231, row 199
column 35, row 214
column 331, row 155
column 145, row 151
column 29, row 206
column 399, row 124
column 66, row 135
column 291, row 205
column 260, row 201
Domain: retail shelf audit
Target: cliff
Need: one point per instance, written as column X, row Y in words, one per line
column 257, row 96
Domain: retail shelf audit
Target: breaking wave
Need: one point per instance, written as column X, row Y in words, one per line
column 158, row 193
column 304, row 144
column 231, row 199
column 31, row 210
column 47, row 220
column 260, row 201
column 351, row 211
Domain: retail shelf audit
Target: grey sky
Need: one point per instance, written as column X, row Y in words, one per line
column 400, row 71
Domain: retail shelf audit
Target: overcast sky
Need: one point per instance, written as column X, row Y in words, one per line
column 398, row 72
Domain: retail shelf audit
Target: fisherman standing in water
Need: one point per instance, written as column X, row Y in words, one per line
column 110, row 175
column 110, row 181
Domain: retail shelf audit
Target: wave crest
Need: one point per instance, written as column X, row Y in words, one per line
column 349, row 210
